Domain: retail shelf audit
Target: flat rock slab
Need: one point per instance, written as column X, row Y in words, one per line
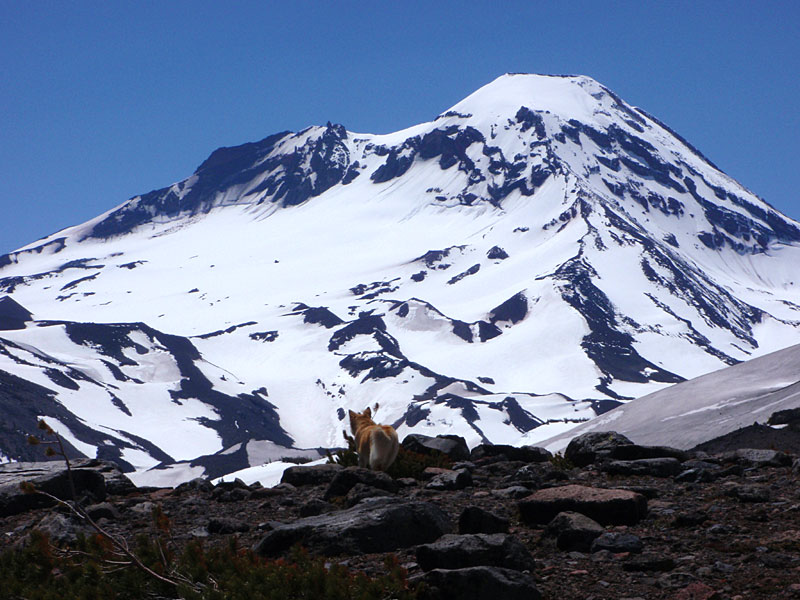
column 606, row 506
column 654, row 467
column 473, row 550
column 51, row 477
column 374, row 525
column 478, row 583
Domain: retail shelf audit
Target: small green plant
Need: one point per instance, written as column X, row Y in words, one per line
column 560, row 462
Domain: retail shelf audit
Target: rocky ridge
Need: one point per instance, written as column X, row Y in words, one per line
column 631, row 522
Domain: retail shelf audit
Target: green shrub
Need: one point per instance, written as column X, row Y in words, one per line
column 43, row 572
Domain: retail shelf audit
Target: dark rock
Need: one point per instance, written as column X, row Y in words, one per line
column 784, row 417
column 345, row 479
column 649, row 562
column 472, row 550
column 606, row 506
column 63, row 528
column 374, row 525
column 618, row 542
column 758, row 458
column 198, row 483
column 496, row 253
column 103, row 510
column 529, row 476
column 51, row 478
column 313, row 475
column 235, row 494
column 588, row 447
column 574, row 531
column 749, row 493
column 453, row 446
column 478, row 583
column 361, row 492
column 474, row 519
column 451, row 480
column 513, row 491
column 315, row 507
column 223, row 526
column 654, row 467
column 690, row 519
column 529, row 454
column 696, row 475
column 637, row 452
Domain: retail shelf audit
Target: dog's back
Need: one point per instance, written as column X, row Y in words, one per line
column 377, row 445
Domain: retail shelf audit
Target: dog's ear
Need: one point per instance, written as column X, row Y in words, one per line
column 367, row 413
column 352, row 414
column 376, row 407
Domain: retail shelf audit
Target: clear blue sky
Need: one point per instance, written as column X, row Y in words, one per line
column 100, row 101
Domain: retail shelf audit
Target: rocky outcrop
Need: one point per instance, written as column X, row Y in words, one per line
column 726, row 525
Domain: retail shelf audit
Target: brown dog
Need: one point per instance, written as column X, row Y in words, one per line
column 377, row 445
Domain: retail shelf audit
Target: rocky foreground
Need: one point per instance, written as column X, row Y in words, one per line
column 608, row 520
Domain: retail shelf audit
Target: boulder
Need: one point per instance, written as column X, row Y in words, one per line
column 310, row 475
column 606, row 506
column 654, row 467
column 51, row 477
column 478, row 583
column 450, row 480
column 453, row 446
column 227, row 525
column 529, row 454
column 574, row 531
column 374, row 525
column 617, row 542
column 588, row 447
column 477, row 520
column 345, row 479
column 361, row 491
column 480, row 549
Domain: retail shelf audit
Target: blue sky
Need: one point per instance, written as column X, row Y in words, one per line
column 100, row 101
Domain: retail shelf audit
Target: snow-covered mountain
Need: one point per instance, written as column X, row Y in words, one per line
column 535, row 255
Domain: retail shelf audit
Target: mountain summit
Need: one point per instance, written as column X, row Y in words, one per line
column 537, row 254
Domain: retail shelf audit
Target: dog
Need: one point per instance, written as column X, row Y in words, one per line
column 377, row 445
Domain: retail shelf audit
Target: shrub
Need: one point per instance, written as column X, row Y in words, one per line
column 41, row 571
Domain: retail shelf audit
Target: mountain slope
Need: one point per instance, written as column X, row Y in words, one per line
column 696, row 411
column 530, row 258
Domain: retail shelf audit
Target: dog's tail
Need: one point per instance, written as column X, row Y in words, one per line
column 384, row 447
